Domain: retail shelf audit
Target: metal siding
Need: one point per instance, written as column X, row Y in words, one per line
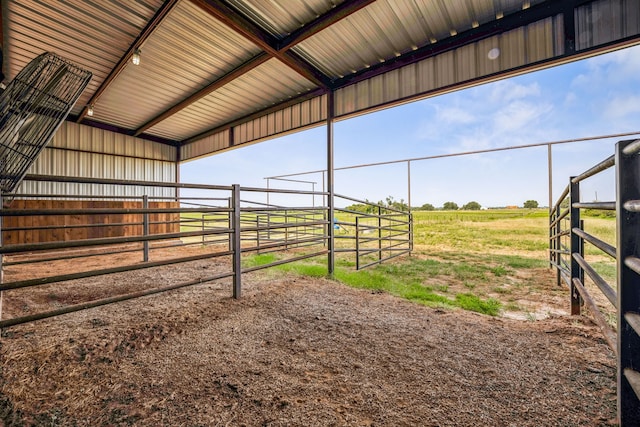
column 80, row 137
column 445, row 69
column 539, row 42
column 465, row 63
column 486, row 65
column 86, row 35
column 426, row 75
column 604, row 21
column 512, row 52
column 234, row 100
column 297, row 116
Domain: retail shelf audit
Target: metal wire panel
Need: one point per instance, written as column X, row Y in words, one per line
column 262, row 87
column 31, row 109
column 186, row 52
column 94, row 34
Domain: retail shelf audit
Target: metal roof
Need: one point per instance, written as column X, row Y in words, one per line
column 216, row 74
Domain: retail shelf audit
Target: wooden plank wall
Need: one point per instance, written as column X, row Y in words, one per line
column 90, row 226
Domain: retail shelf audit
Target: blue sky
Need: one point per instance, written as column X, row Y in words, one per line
column 596, row 96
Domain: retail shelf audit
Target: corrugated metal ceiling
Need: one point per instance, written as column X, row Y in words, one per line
column 211, row 65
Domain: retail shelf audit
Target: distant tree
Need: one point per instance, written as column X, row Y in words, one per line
column 450, row 206
column 472, row 206
column 530, row 204
column 427, row 207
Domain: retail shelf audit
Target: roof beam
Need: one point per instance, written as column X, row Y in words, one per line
column 232, row 18
column 336, row 14
column 276, row 107
column 160, row 15
column 516, row 20
column 211, row 87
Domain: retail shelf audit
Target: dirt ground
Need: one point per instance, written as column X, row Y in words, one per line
column 294, row 352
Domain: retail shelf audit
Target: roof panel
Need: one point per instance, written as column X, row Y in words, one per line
column 243, row 96
column 174, row 64
column 281, row 17
column 94, row 36
column 388, row 28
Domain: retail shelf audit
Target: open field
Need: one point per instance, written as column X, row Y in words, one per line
column 402, row 345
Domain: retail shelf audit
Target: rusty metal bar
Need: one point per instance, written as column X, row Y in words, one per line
column 633, row 319
column 102, row 241
column 602, row 166
column 627, row 231
column 121, row 269
column 632, row 148
column 104, row 301
column 285, row 261
column 236, row 243
column 576, row 271
column 604, row 206
column 609, row 334
column 606, row 289
column 600, row 244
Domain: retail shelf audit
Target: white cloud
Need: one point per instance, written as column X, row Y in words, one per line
column 519, row 115
column 622, row 106
column 507, row 91
column 455, row 115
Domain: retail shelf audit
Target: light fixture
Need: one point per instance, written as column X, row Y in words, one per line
column 90, row 111
column 135, row 58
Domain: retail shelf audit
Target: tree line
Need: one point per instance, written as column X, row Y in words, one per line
column 401, row 205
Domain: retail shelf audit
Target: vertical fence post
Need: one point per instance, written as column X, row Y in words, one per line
column 379, row 233
column 145, row 228
column 410, row 233
column 357, row 243
column 236, row 246
column 558, row 245
column 1, row 260
column 258, row 232
column 627, row 232
column 576, row 271
column 203, row 229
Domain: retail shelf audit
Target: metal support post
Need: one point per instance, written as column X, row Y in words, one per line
column 357, row 243
column 203, row 228
column 550, row 170
column 627, row 231
column 409, row 184
column 145, row 228
column 576, row 271
column 330, row 200
column 236, row 246
column 558, row 246
column 379, row 233
column 410, row 233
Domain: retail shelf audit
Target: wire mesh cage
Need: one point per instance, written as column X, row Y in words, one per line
column 32, row 108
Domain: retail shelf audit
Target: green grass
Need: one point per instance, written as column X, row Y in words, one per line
column 482, row 261
column 403, row 280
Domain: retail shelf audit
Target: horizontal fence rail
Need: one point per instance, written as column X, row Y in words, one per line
column 48, row 243
column 567, row 238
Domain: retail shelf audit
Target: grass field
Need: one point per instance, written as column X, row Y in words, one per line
column 493, row 262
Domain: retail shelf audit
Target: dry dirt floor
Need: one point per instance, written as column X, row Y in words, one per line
column 295, row 352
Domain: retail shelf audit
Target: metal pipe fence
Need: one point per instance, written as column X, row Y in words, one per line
column 567, row 238
column 70, row 237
